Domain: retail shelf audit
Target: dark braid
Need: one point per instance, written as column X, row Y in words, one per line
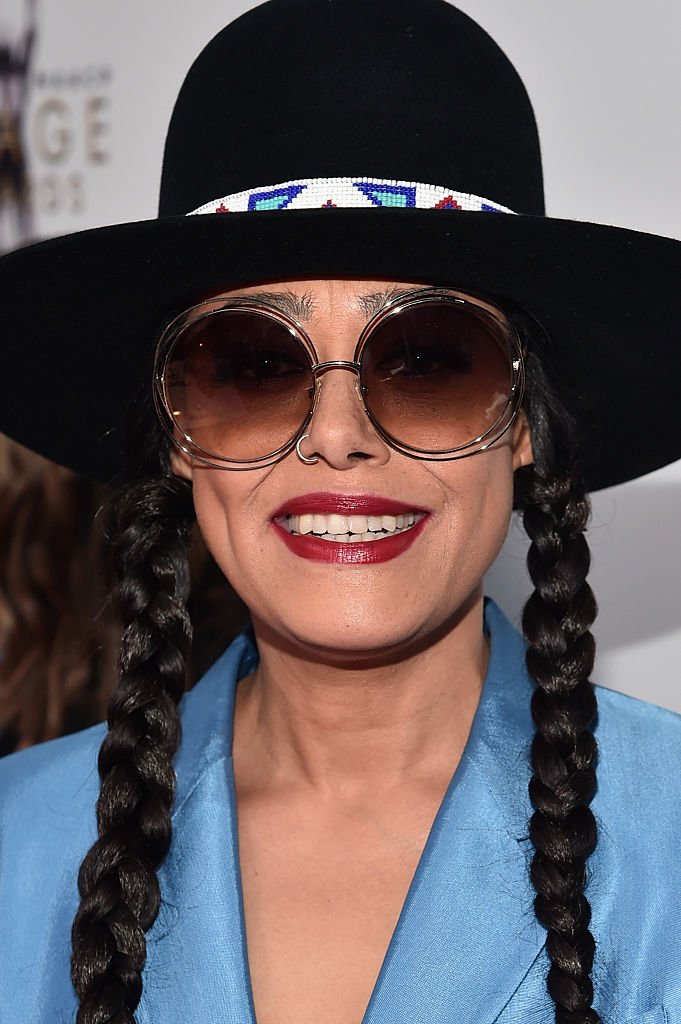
column 119, row 889
column 556, row 621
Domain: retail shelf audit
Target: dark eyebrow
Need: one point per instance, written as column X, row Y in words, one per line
column 303, row 307
column 372, row 302
column 298, row 307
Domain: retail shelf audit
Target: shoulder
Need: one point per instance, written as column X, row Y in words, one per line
column 49, row 791
column 47, row 823
column 638, row 797
column 634, row 886
column 639, row 772
column 75, row 744
column 632, row 711
column 48, row 797
column 58, row 766
column 643, row 738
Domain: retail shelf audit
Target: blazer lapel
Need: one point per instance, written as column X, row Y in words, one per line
column 197, row 967
column 467, row 935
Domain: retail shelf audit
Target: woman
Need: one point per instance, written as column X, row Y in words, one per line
column 394, row 356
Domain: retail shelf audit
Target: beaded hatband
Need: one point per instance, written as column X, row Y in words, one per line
column 330, row 193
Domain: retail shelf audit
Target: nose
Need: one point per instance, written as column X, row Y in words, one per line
column 340, row 432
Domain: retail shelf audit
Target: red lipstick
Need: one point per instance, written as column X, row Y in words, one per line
column 312, row 547
column 326, row 504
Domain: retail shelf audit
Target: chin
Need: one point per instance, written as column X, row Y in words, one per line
column 370, row 638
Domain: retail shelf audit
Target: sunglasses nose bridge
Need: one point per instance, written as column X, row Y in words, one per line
column 319, row 369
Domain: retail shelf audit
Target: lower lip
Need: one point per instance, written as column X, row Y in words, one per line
column 370, row 552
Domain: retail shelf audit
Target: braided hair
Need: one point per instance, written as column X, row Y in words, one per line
column 119, row 890
column 152, row 521
column 556, row 621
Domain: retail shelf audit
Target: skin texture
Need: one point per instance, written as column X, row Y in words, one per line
column 348, row 734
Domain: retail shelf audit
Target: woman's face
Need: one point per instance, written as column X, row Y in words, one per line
column 333, row 607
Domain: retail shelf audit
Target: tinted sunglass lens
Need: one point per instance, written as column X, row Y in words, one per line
column 437, row 375
column 238, row 384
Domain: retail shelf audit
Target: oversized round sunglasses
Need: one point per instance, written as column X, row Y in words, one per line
column 438, row 372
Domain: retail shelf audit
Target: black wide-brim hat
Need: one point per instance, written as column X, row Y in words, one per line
column 346, row 138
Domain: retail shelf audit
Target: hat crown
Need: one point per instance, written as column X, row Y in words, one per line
column 410, row 90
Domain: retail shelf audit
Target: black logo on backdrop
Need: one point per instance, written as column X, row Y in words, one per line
column 16, row 222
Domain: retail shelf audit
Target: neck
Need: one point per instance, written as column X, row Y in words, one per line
column 339, row 726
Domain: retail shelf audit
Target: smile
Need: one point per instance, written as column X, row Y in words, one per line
column 355, row 529
column 350, row 529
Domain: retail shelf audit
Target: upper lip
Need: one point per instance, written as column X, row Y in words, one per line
column 326, row 503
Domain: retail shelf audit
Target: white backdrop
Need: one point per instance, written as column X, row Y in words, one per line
column 605, row 80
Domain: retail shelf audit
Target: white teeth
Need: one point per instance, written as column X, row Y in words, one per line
column 319, row 524
column 350, row 529
column 305, row 523
column 337, row 524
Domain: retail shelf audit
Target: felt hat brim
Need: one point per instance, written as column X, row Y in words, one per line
column 82, row 314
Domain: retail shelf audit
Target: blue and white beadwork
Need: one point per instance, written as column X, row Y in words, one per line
column 344, row 193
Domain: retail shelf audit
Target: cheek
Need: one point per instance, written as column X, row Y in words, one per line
column 478, row 506
column 226, row 519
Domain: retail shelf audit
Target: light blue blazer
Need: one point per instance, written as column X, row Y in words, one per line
column 467, row 948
